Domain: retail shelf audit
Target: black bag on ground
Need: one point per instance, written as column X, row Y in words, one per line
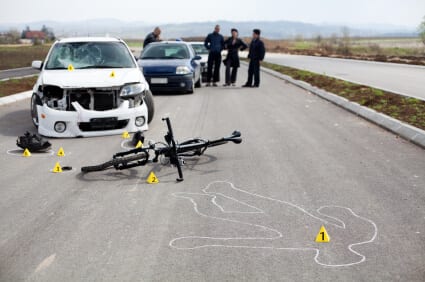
column 33, row 142
column 138, row 136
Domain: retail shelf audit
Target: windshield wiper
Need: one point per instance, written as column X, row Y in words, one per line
column 150, row 58
column 101, row 67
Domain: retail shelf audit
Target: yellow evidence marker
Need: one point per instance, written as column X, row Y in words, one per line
column 112, row 74
column 323, row 236
column 57, row 168
column 125, row 135
column 26, row 153
column 152, row 179
column 139, row 144
column 70, row 67
column 61, row 152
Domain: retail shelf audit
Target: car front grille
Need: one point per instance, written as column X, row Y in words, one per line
column 94, row 99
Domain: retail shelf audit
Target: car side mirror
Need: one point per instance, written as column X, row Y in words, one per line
column 37, row 65
column 197, row 58
column 137, row 58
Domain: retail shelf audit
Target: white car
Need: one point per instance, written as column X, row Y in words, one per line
column 202, row 51
column 90, row 87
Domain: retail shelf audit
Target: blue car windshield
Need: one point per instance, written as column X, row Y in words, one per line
column 90, row 55
column 165, row 51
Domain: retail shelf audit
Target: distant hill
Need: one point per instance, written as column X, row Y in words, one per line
column 271, row 29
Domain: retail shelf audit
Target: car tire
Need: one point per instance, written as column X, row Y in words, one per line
column 198, row 84
column 150, row 105
column 35, row 101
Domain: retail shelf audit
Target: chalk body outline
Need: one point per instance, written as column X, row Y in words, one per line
column 279, row 235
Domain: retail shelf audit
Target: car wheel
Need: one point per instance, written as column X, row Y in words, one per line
column 150, row 105
column 192, row 89
column 35, row 101
column 198, row 84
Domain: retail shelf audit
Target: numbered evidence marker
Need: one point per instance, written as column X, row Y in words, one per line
column 323, row 236
column 57, row 168
column 26, row 153
column 61, row 152
column 112, row 74
column 152, row 179
column 125, row 135
column 70, row 67
column 139, row 144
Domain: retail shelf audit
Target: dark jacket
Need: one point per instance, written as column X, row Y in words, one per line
column 149, row 39
column 233, row 51
column 257, row 51
column 214, row 42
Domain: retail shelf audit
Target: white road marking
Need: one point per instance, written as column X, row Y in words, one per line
column 45, row 263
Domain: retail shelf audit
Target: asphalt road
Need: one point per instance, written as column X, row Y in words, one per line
column 13, row 73
column 398, row 78
column 244, row 212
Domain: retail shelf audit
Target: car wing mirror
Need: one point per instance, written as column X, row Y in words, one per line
column 37, row 65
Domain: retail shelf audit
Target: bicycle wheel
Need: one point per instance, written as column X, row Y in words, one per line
column 114, row 162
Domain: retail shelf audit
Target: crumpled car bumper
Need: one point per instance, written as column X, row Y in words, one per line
column 88, row 123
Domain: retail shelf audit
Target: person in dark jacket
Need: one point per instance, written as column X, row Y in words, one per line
column 214, row 42
column 233, row 44
column 152, row 37
column 257, row 51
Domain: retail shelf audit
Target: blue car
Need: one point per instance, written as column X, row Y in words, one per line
column 171, row 66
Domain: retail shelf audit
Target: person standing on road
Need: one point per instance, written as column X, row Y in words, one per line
column 233, row 44
column 214, row 42
column 152, row 37
column 257, row 51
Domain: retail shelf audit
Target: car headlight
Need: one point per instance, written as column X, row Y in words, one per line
column 182, row 70
column 132, row 90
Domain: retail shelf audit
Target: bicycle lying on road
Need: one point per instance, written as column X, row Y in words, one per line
column 173, row 151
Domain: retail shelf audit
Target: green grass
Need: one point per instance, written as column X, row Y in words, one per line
column 13, row 86
column 21, row 56
column 409, row 110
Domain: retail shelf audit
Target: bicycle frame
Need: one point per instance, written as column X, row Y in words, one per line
column 175, row 151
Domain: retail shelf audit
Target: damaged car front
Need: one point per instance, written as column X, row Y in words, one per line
column 90, row 87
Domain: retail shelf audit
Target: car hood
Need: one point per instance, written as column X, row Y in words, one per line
column 204, row 58
column 91, row 77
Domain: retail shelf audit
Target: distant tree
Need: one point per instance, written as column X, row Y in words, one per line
column 24, row 32
column 421, row 30
column 346, row 35
column 50, row 36
column 344, row 47
column 318, row 39
column 299, row 38
column 334, row 39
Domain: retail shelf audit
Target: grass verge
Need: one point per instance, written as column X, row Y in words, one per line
column 13, row 86
column 21, row 56
column 409, row 110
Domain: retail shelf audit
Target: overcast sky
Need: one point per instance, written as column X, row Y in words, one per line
column 398, row 12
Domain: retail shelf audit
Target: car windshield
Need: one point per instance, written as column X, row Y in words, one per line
column 88, row 55
column 165, row 51
column 200, row 49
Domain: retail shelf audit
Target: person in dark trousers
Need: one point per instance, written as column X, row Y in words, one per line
column 257, row 51
column 233, row 44
column 214, row 42
column 152, row 37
